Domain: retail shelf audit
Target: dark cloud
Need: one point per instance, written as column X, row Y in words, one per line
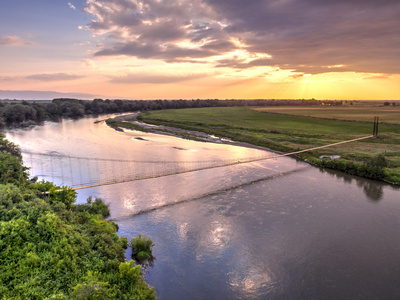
column 159, row 29
column 54, row 77
column 169, row 53
column 308, row 36
column 240, row 63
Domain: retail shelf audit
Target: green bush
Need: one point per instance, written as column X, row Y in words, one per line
column 9, row 147
column 93, row 288
column 94, row 207
column 375, row 166
column 55, row 194
column 142, row 248
column 11, row 170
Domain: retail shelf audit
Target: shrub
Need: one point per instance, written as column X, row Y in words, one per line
column 92, row 288
column 8, row 147
column 142, row 248
column 374, row 167
column 96, row 207
column 55, row 193
column 11, row 170
column 99, row 207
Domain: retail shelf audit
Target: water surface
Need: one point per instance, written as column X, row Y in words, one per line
column 273, row 229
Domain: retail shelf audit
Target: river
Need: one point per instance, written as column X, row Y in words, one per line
column 272, row 229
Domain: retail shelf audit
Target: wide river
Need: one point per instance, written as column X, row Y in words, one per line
column 272, row 229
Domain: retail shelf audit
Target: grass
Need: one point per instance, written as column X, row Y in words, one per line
column 294, row 129
column 364, row 112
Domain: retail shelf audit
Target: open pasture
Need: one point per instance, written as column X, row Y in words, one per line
column 359, row 112
column 291, row 129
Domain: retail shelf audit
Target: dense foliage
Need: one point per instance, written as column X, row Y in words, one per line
column 25, row 113
column 373, row 168
column 142, row 248
column 52, row 248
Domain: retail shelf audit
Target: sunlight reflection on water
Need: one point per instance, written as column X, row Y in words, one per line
column 274, row 229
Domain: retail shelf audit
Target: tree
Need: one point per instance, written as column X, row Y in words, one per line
column 18, row 113
column 11, row 170
column 375, row 166
column 8, row 147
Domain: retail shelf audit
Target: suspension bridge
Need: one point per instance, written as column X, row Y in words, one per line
column 86, row 172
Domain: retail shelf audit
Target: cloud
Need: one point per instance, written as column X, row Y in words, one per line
column 241, row 63
column 13, row 40
column 9, row 78
column 88, row 63
column 306, row 36
column 54, row 77
column 379, row 76
column 296, row 75
column 137, row 78
column 71, row 5
column 165, row 30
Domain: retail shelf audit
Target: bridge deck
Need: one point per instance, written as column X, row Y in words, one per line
column 127, row 166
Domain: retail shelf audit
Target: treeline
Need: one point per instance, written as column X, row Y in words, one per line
column 52, row 248
column 27, row 113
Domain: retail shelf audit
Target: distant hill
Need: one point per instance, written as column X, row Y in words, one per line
column 43, row 95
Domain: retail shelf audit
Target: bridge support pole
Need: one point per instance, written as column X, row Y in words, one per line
column 375, row 130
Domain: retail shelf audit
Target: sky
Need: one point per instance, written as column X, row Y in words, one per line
column 200, row 49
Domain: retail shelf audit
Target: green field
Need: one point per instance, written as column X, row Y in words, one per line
column 364, row 112
column 295, row 128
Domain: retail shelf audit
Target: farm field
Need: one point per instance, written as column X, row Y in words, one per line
column 363, row 112
column 295, row 128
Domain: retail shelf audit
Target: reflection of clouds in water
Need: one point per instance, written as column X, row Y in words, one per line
column 182, row 230
column 219, row 234
column 129, row 202
column 156, row 193
column 252, row 281
column 212, row 238
column 270, row 239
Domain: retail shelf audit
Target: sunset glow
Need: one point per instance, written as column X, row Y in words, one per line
column 131, row 49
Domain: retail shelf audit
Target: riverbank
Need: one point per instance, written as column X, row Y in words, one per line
column 131, row 122
column 283, row 133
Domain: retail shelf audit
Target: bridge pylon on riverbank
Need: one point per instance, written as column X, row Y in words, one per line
column 376, row 125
